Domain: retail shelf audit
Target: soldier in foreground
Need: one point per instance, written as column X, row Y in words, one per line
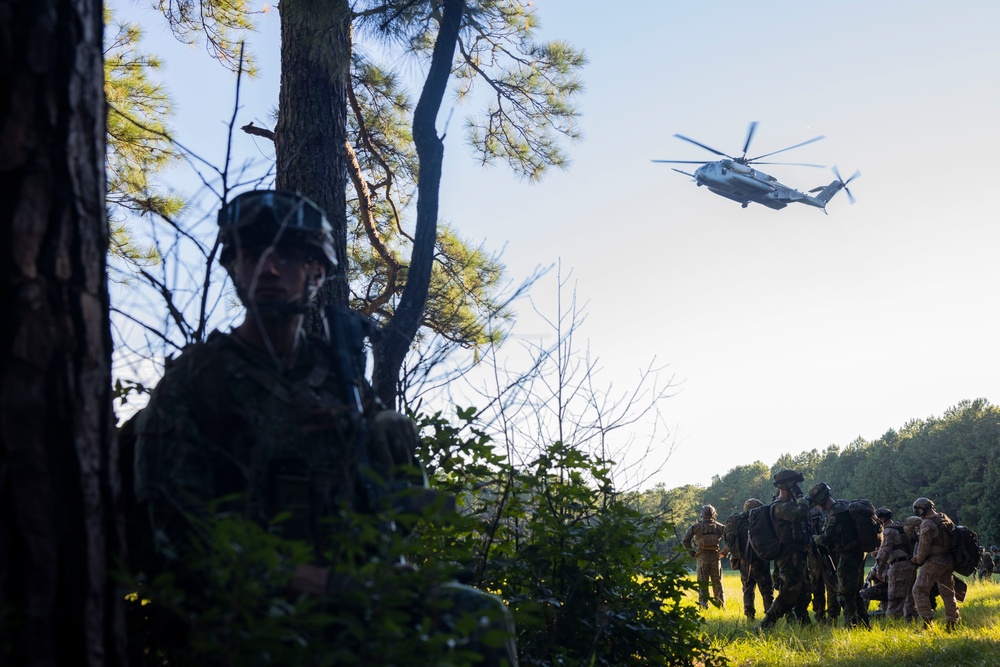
column 934, row 559
column 840, row 533
column 704, row 541
column 266, row 422
column 789, row 513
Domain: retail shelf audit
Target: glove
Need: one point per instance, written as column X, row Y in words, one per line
column 818, row 540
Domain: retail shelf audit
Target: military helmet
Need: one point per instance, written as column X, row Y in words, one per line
column 708, row 511
column 994, row 548
column 819, row 492
column 264, row 218
column 752, row 503
column 922, row 506
column 911, row 524
column 883, row 513
column 787, row 478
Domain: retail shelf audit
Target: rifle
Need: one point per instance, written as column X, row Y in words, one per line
column 346, row 331
column 821, row 554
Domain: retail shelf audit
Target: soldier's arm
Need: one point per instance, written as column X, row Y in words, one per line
column 927, row 533
column 688, row 536
column 173, row 470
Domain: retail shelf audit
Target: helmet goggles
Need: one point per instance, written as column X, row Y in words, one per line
column 272, row 218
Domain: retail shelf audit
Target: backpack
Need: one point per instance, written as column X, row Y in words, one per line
column 736, row 528
column 763, row 536
column 867, row 526
column 709, row 536
column 965, row 550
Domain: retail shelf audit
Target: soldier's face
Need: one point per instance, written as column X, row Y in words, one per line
column 277, row 274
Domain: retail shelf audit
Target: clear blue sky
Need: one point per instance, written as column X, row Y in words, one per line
column 785, row 330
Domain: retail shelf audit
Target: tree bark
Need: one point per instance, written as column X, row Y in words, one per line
column 312, row 116
column 393, row 344
column 59, row 531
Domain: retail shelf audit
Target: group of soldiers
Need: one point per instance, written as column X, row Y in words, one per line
column 821, row 562
column 989, row 563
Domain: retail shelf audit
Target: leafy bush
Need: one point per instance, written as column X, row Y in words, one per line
column 577, row 565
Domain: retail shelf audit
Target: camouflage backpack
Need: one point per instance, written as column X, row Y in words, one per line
column 964, row 550
column 737, row 528
column 763, row 536
column 867, row 526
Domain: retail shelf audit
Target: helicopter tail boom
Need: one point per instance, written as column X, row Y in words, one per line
column 827, row 193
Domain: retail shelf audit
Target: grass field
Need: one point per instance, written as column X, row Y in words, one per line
column 887, row 644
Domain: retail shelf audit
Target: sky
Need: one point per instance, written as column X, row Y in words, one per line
column 782, row 331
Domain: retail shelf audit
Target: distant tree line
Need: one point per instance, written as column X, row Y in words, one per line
column 950, row 459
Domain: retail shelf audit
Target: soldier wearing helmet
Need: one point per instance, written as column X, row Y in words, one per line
column 789, row 514
column 840, row 534
column 933, row 557
column 264, row 421
column 755, row 572
column 705, row 540
column 894, row 566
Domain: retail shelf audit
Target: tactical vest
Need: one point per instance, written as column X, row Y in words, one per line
column 709, row 534
column 941, row 544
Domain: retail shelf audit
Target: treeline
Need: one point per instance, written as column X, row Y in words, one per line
column 950, row 459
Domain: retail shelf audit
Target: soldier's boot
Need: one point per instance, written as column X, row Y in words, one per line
column 950, row 626
column 766, row 624
column 927, row 623
column 768, row 601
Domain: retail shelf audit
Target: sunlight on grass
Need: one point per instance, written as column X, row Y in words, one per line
column 890, row 643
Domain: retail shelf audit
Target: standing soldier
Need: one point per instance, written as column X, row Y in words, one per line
column 934, row 559
column 755, row 572
column 840, row 533
column 789, row 514
column 985, row 569
column 893, row 564
column 995, row 552
column 822, row 575
column 258, row 423
column 704, row 540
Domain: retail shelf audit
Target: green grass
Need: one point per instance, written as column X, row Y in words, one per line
column 889, row 643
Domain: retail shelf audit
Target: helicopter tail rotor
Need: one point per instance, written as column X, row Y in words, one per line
column 843, row 183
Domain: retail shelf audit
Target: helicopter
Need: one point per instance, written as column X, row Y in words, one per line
column 736, row 178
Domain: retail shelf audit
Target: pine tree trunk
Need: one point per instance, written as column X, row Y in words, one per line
column 58, row 481
column 312, row 116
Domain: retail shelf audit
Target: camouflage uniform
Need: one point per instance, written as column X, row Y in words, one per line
column 985, row 569
column 822, row 578
column 789, row 518
column 894, row 566
column 936, row 566
column 705, row 539
column 224, row 422
column 755, row 573
column 839, row 533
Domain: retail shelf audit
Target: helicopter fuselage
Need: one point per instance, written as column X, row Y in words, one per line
column 744, row 184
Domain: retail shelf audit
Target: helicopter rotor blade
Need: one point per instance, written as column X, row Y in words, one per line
column 814, row 139
column 795, row 164
column 682, row 161
column 750, row 132
column 707, row 148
